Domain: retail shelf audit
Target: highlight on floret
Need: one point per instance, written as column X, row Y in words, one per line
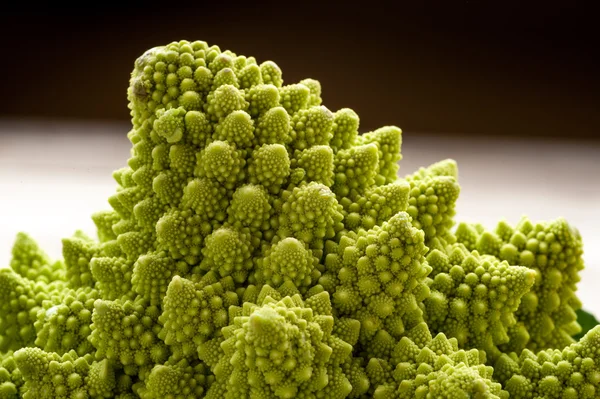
column 259, row 246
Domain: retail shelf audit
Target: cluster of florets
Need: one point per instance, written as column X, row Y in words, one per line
column 258, row 246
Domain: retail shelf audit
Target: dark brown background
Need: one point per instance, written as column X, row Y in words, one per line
column 490, row 67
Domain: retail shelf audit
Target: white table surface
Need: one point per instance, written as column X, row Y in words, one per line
column 53, row 175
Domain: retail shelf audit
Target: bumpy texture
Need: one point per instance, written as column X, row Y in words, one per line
column 48, row 375
column 28, row 260
column 64, row 325
column 426, row 367
column 194, row 313
column 11, row 379
column 257, row 246
column 433, row 194
column 553, row 373
column 553, row 250
column 288, row 261
column 125, row 333
column 178, row 380
column 280, row 348
column 378, row 278
column 21, row 300
column 474, row 298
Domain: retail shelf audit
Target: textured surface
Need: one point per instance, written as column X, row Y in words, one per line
column 52, row 178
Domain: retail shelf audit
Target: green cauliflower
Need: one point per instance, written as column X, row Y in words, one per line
column 258, row 246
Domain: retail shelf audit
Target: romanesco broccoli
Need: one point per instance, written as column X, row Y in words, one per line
column 258, row 246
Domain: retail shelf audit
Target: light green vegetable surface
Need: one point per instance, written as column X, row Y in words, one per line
column 257, row 246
